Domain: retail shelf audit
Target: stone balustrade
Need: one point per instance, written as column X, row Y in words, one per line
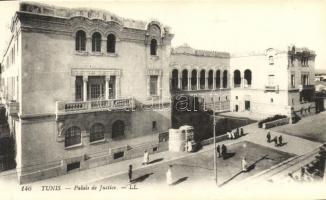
column 95, row 105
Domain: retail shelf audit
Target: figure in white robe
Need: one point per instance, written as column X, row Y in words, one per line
column 169, row 178
column 146, row 158
column 244, row 164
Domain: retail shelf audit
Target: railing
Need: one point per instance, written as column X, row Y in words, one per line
column 308, row 87
column 85, row 106
column 271, row 87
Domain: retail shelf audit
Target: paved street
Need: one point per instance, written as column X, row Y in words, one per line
column 198, row 168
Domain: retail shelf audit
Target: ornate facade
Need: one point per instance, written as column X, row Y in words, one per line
column 81, row 85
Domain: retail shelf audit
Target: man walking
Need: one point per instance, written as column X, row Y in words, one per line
column 275, row 141
column 224, row 151
column 268, row 137
column 280, row 140
column 218, row 149
column 130, row 173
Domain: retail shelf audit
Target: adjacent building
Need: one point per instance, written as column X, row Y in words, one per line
column 273, row 82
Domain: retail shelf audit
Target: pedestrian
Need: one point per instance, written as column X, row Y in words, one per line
column 224, row 151
column 275, row 141
column 303, row 171
column 169, row 177
column 268, row 137
column 218, row 149
column 241, row 132
column 146, row 158
column 228, row 134
column 232, row 135
column 130, row 173
column 280, row 140
column 237, row 133
column 244, row 164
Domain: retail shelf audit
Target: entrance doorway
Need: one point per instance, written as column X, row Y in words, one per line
column 118, row 129
column 236, row 108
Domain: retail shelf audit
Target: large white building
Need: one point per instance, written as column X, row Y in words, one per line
column 273, row 81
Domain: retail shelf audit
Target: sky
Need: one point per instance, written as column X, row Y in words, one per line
column 233, row 26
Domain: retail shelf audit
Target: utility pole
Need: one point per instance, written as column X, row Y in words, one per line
column 214, row 135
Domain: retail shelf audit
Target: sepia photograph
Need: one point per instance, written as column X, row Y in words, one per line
column 153, row 99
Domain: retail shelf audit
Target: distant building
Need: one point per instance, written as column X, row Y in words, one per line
column 273, row 82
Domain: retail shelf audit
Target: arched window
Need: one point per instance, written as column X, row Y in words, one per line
column 225, row 79
column 111, row 43
column 247, row 76
column 118, row 129
column 175, row 80
column 237, row 78
column 218, row 79
column 153, row 47
column 210, row 79
column 96, row 132
column 72, row 136
column 194, row 79
column 184, row 79
column 80, row 41
column 202, row 79
column 96, row 42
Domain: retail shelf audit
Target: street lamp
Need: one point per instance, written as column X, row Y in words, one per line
column 214, row 135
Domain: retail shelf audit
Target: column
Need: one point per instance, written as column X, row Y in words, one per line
column 179, row 80
column 206, row 80
column 103, row 45
column 221, row 79
column 85, row 79
column 159, row 87
column 214, row 80
column 89, row 44
column 189, row 80
column 198, row 81
column 107, row 89
column 117, row 87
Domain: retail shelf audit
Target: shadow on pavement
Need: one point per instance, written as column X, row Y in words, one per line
column 141, row 178
column 155, row 161
column 180, row 180
column 228, row 155
column 251, row 167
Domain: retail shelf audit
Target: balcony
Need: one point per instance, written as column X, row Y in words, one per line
column 63, row 108
column 306, row 87
column 13, row 108
column 271, row 88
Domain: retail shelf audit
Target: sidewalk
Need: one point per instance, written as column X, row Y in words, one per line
column 295, row 145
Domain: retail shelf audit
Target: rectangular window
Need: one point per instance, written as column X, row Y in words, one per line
column 292, row 80
column 95, row 91
column 72, row 166
column 154, row 125
column 79, row 88
column 112, row 86
column 153, row 85
column 271, row 80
